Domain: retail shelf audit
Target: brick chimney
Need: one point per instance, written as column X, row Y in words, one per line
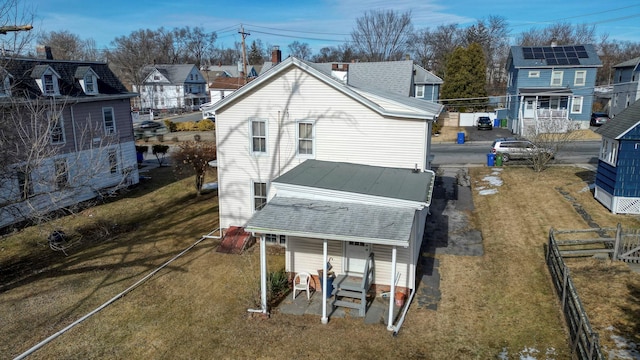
column 44, row 52
column 276, row 55
column 340, row 72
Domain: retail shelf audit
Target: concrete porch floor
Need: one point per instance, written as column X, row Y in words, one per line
column 377, row 308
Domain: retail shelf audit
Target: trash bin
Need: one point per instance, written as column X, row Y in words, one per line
column 460, row 138
column 490, row 159
column 496, row 123
column 503, row 123
column 330, row 277
column 499, row 160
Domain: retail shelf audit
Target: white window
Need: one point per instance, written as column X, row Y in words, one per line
column 48, row 84
column 419, row 91
column 113, row 161
column 258, row 136
column 615, row 99
column 259, row 195
column 90, row 84
column 609, row 151
column 275, row 239
column 628, row 102
column 109, row 120
column 576, row 105
column 534, row 74
column 56, row 127
column 61, row 173
column 556, row 78
column 581, row 78
column 306, row 132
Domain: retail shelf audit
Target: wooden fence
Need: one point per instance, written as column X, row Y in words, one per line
column 584, row 341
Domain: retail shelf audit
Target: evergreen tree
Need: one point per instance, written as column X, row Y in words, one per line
column 465, row 78
column 255, row 54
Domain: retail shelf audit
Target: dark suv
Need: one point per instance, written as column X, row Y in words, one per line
column 598, row 118
column 484, row 123
column 512, row 148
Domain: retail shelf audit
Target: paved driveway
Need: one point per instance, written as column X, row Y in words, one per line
column 473, row 134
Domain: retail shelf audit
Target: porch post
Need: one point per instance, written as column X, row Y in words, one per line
column 325, row 319
column 263, row 274
column 392, row 291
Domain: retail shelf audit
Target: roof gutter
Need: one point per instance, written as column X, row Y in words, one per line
column 344, row 238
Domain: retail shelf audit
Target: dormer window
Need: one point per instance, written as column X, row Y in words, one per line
column 47, row 80
column 88, row 80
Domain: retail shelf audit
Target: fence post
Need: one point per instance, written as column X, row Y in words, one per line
column 565, row 278
column 616, row 247
column 574, row 345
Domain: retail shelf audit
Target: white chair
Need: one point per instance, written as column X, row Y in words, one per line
column 301, row 282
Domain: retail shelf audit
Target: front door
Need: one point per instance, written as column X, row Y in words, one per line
column 356, row 257
column 529, row 108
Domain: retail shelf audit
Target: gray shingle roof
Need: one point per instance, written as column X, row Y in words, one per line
column 334, row 221
column 394, row 183
column 23, row 71
column 626, row 120
column 629, row 63
column 175, row 73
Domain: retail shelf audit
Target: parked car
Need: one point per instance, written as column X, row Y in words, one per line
column 148, row 128
column 512, row 148
column 484, row 123
column 599, row 118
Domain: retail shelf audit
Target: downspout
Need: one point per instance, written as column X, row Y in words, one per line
column 325, row 319
column 263, row 278
column 73, row 127
column 392, row 292
column 397, row 327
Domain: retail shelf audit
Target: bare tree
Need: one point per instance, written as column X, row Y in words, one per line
column 561, row 34
column 549, row 136
column 194, row 156
column 300, row 50
column 67, row 46
column 382, row 35
column 193, row 45
column 433, row 48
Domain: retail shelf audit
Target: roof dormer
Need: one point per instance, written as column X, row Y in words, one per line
column 5, row 83
column 47, row 80
column 88, row 79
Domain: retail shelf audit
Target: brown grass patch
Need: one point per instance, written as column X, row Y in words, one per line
column 197, row 307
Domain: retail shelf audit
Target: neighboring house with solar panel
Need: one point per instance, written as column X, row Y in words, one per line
column 550, row 88
column 626, row 83
column 173, row 86
column 327, row 170
column 617, row 182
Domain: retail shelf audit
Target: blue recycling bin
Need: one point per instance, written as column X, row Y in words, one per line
column 460, row 138
column 329, row 286
column 491, row 159
column 496, row 122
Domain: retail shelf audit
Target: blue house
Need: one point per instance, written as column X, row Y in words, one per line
column 626, row 85
column 550, row 88
column 618, row 176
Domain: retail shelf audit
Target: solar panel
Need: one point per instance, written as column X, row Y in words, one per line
column 556, row 55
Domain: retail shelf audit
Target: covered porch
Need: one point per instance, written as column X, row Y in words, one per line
column 544, row 109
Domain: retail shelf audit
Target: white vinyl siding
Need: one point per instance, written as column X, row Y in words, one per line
column 556, row 78
column 347, row 132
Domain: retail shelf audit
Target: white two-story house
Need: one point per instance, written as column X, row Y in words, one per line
column 173, row 86
column 294, row 123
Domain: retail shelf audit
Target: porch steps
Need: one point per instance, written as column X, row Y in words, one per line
column 348, row 293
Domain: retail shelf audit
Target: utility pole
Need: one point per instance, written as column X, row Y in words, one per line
column 244, row 52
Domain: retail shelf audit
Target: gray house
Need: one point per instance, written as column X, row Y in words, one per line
column 625, row 85
column 74, row 122
column 172, row 86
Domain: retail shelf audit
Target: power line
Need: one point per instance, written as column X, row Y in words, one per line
column 299, row 31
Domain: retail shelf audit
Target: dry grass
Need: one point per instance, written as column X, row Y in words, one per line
column 197, row 308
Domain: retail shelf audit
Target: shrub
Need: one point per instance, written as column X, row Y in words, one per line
column 142, row 148
column 278, row 285
column 187, row 126
column 437, row 126
column 206, row 125
column 170, row 125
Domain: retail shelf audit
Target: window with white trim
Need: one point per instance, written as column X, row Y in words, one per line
column 113, row 161
column 576, row 105
column 275, row 239
column 419, row 91
column 56, row 127
column 109, row 120
column 305, row 135
column 259, row 195
column 580, row 78
column 556, row 78
column 609, row 151
column 90, row 84
column 49, row 86
column 534, row 73
column 258, row 136
column 61, row 173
